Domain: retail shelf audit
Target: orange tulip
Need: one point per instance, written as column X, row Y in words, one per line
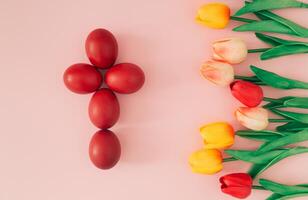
column 214, row 15
column 217, row 135
column 217, row 72
column 230, row 50
column 252, row 118
column 206, row 161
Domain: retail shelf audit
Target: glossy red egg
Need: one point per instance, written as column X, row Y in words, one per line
column 104, row 109
column 101, row 48
column 125, row 78
column 104, row 149
column 82, row 78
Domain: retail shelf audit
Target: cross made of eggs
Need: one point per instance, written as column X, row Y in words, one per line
column 104, row 109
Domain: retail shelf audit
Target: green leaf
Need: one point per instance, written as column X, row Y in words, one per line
column 275, row 41
column 257, row 169
column 282, row 189
column 265, row 26
column 297, row 102
column 274, row 196
column 252, row 157
column 283, row 141
column 264, row 135
column 292, row 127
column 292, row 196
column 284, row 50
column 258, row 5
column 297, row 29
column 270, row 40
column 276, row 81
column 277, row 103
column 299, row 117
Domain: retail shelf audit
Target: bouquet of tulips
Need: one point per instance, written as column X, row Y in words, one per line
column 217, row 15
column 218, row 137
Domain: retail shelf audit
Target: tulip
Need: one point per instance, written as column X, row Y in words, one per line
column 252, row 118
column 247, row 93
column 214, row 15
column 230, row 50
column 219, row 73
column 206, row 161
column 238, row 185
column 217, row 135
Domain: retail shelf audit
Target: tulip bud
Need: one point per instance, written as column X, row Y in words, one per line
column 217, row 135
column 219, row 73
column 214, row 15
column 238, row 185
column 247, row 93
column 252, row 118
column 206, row 161
column 230, row 50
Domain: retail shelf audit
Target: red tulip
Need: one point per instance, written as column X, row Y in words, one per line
column 238, row 185
column 247, row 93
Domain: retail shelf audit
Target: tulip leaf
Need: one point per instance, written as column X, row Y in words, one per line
column 291, row 196
column 264, row 135
column 276, row 103
column 274, row 196
column 275, row 41
column 299, row 117
column 270, row 40
column 257, row 169
column 282, row 189
column 258, row 5
column 297, row 29
column 265, row 26
column 252, row 157
column 292, row 127
column 300, row 136
column 277, row 81
column 297, row 102
column 284, row 50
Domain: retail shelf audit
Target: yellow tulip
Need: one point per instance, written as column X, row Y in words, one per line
column 214, row 15
column 217, row 135
column 206, row 161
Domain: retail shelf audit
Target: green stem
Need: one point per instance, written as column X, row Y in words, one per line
column 258, row 187
column 280, row 120
column 241, row 19
column 259, row 83
column 258, row 50
column 271, row 100
column 230, row 159
column 247, row 78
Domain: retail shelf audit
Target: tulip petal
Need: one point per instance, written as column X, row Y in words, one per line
column 252, row 118
column 231, row 50
column 219, row 73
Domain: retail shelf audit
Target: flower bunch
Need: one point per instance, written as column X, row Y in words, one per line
column 217, row 15
column 247, row 89
column 216, row 136
column 254, row 114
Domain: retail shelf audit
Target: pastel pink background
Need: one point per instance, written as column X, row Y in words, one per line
column 45, row 129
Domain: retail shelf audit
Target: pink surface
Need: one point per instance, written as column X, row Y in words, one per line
column 45, row 129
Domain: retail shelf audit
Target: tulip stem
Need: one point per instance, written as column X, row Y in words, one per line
column 258, row 50
column 280, row 120
column 258, row 187
column 247, row 78
column 241, row 19
column 271, row 100
column 230, row 159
